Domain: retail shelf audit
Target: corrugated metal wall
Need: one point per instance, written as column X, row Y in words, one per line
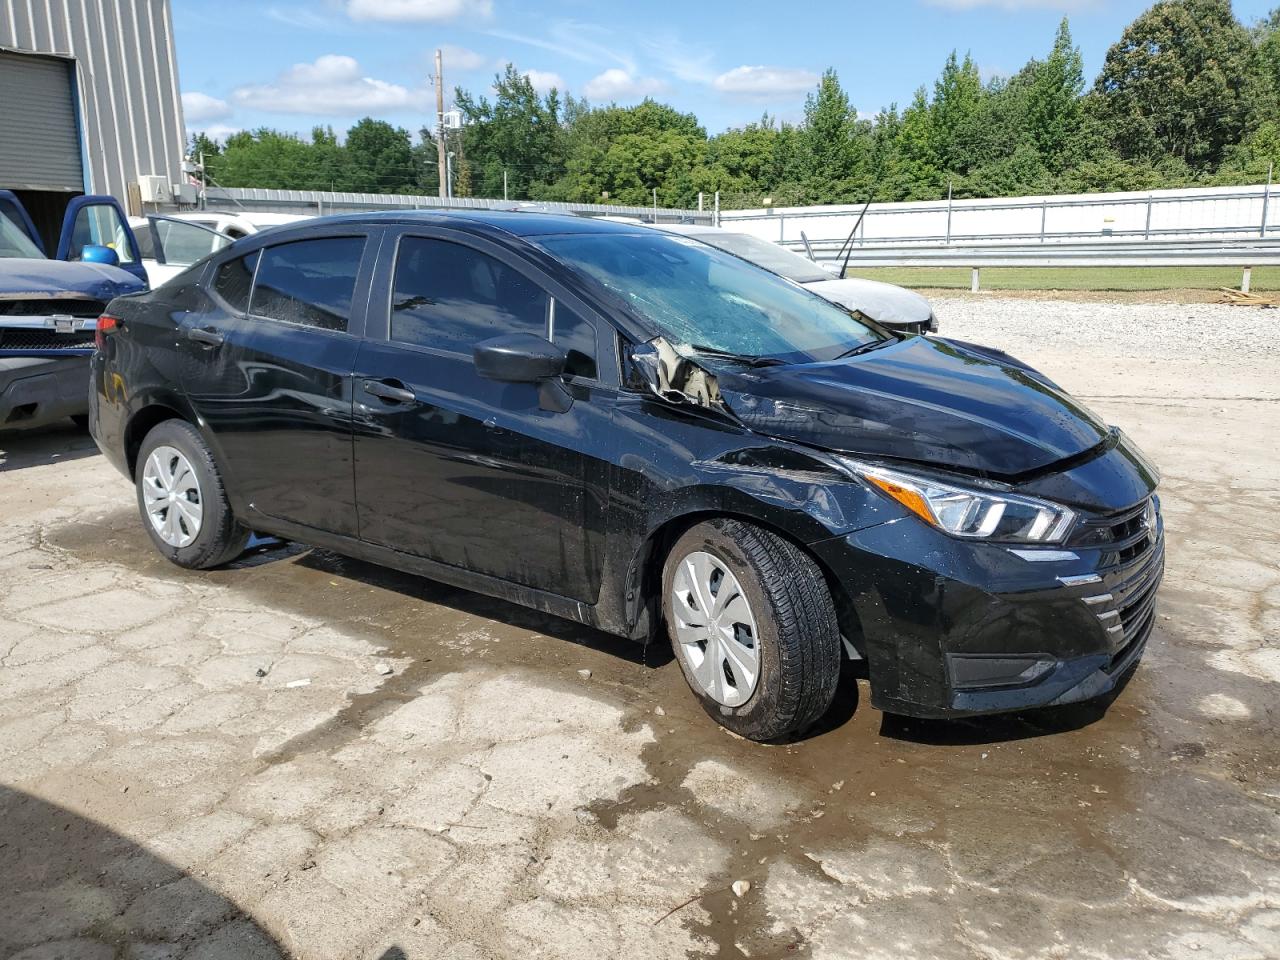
column 127, row 81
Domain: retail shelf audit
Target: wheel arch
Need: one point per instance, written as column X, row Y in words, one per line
column 143, row 421
column 644, row 578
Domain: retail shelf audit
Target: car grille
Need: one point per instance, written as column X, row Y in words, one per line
column 46, row 307
column 44, row 340
column 1122, row 536
column 1131, row 569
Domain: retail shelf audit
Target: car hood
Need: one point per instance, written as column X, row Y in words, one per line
column 924, row 399
column 882, row 302
column 53, row 279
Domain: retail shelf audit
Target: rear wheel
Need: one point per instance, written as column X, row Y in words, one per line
column 753, row 627
column 180, row 496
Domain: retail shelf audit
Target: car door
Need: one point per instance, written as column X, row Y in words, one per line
column 267, row 365
column 99, row 221
column 468, row 471
column 169, row 245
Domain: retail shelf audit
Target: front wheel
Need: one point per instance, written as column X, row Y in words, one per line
column 180, row 496
column 753, row 626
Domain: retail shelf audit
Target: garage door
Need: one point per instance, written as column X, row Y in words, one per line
column 39, row 142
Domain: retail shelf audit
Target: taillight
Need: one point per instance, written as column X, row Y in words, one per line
column 106, row 325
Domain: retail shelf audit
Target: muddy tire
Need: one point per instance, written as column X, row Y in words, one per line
column 182, row 500
column 753, row 627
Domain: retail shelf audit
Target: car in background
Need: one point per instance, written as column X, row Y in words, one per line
column 170, row 244
column 49, row 307
column 243, row 224
column 892, row 306
column 640, row 432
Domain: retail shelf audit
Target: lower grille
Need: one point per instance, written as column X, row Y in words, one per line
column 44, row 340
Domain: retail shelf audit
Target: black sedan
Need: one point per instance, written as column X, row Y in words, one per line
column 645, row 434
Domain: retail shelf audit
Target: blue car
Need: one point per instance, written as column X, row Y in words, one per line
column 49, row 307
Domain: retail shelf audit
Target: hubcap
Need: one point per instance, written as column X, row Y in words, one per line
column 171, row 494
column 716, row 632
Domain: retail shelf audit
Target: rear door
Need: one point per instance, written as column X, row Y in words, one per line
column 467, row 471
column 267, row 365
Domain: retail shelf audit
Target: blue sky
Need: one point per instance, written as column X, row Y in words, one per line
column 292, row 64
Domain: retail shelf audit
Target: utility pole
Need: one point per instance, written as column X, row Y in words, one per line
column 504, row 184
column 440, row 147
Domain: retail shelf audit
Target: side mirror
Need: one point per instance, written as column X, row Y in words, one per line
column 96, row 253
column 519, row 358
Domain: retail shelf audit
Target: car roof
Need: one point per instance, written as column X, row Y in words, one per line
column 689, row 229
column 526, row 224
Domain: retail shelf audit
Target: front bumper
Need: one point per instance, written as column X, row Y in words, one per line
column 953, row 628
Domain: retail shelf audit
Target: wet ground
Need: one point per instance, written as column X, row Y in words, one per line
column 446, row 784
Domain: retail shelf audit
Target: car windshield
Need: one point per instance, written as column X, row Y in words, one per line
column 775, row 259
column 698, row 296
column 14, row 241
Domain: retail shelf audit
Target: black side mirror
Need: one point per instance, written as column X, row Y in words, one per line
column 519, row 358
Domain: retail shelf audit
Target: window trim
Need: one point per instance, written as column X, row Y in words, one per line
column 535, row 276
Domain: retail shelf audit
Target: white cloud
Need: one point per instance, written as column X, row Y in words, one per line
column 201, row 108
column 764, row 83
column 418, row 11
column 583, row 42
column 460, row 58
column 618, row 84
column 544, row 80
column 333, row 85
column 691, row 63
column 218, row 131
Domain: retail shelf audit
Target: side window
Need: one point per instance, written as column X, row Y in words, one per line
column 100, row 224
column 451, row 297
column 310, row 282
column 234, row 280
column 577, row 337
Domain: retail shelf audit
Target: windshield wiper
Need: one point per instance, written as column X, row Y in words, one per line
column 746, row 358
column 866, row 348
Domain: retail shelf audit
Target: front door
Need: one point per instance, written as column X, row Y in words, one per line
column 468, row 471
column 267, row 365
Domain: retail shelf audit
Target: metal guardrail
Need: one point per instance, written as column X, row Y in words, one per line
column 323, row 202
column 1244, row 254
column 1192, row 212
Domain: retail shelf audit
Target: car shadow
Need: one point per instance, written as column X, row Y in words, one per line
column 56, row 443
column 464, row 601
column 69, row 884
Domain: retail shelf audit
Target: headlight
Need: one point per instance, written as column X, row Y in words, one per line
column 968, row 513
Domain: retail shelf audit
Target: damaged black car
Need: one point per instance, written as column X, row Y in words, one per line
column 642, row 433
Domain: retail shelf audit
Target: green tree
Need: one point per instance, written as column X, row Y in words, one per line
column 519, row 133
column 829, row 157
column 957, row 97
column 1050, row 101
column 1175, row 83
column 379, row 158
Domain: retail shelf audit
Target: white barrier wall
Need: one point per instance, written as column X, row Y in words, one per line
column 1205, row 212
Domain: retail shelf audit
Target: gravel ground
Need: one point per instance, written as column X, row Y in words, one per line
column 304, row 756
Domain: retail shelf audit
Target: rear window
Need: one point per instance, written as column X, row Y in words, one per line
column 308, row 282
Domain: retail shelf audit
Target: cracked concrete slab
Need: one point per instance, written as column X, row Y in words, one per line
column 165, row 793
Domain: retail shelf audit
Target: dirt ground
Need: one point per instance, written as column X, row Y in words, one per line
column 307, row 756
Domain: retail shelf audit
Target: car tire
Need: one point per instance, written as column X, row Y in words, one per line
column 182, row 500
column 789, row 621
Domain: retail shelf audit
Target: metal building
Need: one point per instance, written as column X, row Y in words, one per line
column 89, row 100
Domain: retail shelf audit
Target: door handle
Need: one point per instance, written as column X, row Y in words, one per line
column 206, row 335
column 390, row 390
